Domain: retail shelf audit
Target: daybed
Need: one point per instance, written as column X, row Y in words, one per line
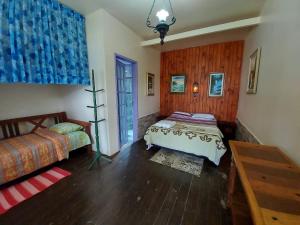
column 199, row 136
column 25, row 149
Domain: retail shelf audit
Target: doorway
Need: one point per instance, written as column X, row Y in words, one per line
column 126, row 80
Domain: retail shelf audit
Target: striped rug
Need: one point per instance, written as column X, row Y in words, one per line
column 15, row 194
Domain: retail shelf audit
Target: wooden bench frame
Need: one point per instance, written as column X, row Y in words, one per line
column 257, row 183
column 10, row 127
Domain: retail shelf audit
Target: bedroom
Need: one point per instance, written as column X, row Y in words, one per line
column 132, row 189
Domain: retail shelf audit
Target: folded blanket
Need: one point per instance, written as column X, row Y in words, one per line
column 165, row 124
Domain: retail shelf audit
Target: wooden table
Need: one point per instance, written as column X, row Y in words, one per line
column 271, row 182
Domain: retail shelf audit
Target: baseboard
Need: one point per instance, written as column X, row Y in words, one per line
column 243, row 133
column 157, row 113
column 114, row 155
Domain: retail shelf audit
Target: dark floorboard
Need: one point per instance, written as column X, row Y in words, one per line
column 130, row 191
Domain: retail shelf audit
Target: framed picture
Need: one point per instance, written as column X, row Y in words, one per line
column 216, row 83
column 178, row 83
column 150, row 84
column 253, row 71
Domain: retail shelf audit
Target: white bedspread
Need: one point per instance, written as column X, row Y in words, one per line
column 201, row 140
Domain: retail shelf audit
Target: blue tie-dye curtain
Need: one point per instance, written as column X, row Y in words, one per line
column 43, row 42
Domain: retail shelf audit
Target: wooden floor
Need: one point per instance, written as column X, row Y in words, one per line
column 130, row 191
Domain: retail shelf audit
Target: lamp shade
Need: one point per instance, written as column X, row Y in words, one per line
column 162, row 15
column 195, row 88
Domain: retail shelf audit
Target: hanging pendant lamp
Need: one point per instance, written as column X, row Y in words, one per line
column 164, row 23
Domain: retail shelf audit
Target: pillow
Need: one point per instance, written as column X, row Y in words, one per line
column 65, row 128
column 203, row 116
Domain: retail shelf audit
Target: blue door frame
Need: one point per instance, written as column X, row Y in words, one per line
column 134, row 95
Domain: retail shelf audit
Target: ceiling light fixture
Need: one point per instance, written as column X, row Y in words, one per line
column 163, row 24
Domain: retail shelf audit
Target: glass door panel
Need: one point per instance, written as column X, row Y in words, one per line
column 125, row 101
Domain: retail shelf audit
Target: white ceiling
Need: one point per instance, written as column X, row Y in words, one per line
column 190, row 14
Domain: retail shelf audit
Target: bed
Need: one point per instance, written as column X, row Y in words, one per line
column 22, row 152
column 199, row 136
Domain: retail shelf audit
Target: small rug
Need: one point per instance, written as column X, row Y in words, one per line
column 15, row 194
column 179, row 160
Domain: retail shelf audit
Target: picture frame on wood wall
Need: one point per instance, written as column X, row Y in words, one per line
column 178, row 83
column 253, row 71
column 216, row 84
column 150, row 84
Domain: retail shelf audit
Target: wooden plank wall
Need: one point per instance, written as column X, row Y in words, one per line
column 197, row 63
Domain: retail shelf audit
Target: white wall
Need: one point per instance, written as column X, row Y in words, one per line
column 120, row 39
column 273, row 114
column 105, row 37
column 19, row 100
column 76, row 98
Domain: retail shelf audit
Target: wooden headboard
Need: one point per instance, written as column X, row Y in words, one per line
column 10, row 128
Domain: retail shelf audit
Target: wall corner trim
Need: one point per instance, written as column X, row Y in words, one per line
column 250, row 131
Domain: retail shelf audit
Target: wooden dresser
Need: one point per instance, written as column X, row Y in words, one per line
column 271, row 184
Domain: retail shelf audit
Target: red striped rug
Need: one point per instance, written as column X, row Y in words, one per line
column 15, row 194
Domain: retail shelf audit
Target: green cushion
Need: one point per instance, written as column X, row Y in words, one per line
column 65, row 128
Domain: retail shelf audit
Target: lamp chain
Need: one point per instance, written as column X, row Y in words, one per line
column 148, row 19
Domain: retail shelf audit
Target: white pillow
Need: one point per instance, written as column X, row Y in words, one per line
column 203, row 115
